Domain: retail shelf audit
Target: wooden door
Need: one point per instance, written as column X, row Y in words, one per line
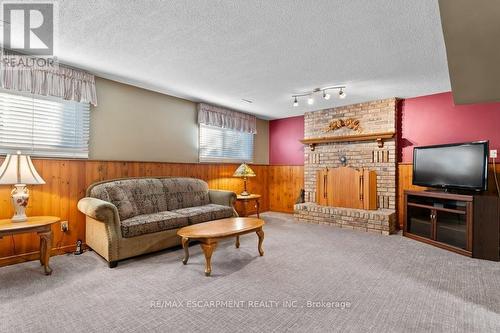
column 347, row 184
column 322, row 187
column 369, row 193
column 346, row 187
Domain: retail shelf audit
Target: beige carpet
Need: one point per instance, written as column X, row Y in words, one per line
column 312, row 278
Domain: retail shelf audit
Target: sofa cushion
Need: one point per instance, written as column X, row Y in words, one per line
column 185, row 192
column 123, row 201
column 144, row 196
column 205, row 213
column 150, row 223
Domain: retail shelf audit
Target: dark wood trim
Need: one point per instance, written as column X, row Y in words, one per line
column 438, row 244
column 437, row 208
column 470, row 225
column 486, row 233
column 441, row 195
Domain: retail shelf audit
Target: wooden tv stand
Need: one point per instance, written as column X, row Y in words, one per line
column 462, row 223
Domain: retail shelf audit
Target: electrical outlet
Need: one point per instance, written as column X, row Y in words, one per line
column 493, row 153
column 64, row 226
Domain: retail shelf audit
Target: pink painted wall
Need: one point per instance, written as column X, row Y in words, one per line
column 284, row 145
column 425, row 120
column 435, row 119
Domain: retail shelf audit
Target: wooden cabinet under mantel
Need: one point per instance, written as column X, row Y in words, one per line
column 347, row 187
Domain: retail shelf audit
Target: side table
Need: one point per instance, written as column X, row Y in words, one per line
column 243, row 202
column 39, row 224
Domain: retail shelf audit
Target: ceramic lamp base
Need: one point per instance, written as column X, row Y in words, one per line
column 20, row 197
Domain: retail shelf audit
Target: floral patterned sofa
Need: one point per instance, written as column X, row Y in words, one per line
column 133, row 216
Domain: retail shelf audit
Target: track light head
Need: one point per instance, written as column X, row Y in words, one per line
column 342, row 94
column 316, row 91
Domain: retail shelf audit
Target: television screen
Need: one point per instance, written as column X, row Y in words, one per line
column 460, row 166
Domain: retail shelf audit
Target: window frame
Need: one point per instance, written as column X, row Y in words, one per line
column 228, row 160
column 78, row 125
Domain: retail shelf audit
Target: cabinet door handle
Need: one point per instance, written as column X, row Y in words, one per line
column 361, row 187
column 325, row 186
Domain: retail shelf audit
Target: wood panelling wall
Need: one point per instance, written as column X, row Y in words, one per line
column 285, row 183
column 67, row 180
column 405, row 174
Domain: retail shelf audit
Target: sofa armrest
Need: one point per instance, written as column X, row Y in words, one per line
column 220, row 197
column 99, row 210
column 225, row 198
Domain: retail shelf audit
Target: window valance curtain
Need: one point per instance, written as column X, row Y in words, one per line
column 23, row 73
column 225, row 118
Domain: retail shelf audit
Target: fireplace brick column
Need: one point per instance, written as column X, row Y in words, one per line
column 374, row 117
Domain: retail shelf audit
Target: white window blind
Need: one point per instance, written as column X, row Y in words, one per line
column 225, row 145
column 43, row 126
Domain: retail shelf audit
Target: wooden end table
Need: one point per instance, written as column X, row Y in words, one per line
column 39, row 224
column 209, row 233
column 245, row 200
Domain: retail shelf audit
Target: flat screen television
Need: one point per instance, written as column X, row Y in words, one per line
column 461, row 166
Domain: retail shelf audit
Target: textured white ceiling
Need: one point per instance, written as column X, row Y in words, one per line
column 261, row 50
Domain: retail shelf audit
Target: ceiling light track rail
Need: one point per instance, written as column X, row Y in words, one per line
column 310, row 99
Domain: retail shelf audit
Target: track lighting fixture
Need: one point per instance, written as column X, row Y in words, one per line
column 342, row 94
column 326, row 95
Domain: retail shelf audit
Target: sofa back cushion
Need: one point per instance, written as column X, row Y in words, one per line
column 133, row 197
column 123, row 200
column 185, row 192
column 139, row 196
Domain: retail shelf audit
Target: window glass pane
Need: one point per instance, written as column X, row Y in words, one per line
column 43, row 126
column 225, row 145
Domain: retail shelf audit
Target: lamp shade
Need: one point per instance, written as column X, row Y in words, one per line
column 244, row 171
column 18, row 169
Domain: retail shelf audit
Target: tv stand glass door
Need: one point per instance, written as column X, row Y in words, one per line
column 442, row 219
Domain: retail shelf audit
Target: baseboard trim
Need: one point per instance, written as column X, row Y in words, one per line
column 19, row 258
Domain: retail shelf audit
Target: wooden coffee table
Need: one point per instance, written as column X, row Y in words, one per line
column 209, row 233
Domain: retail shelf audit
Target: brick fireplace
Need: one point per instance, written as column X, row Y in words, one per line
column 374, row 117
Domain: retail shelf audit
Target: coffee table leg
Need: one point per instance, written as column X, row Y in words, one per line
column 260, row 233
column 208, row 249
column 46, row 245
column 237, row 242
column 185, row 246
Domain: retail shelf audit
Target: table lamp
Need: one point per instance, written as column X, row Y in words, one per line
column 18, row 170
column 244, row 171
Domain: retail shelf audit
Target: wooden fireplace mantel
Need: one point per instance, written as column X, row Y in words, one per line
column 378, row 137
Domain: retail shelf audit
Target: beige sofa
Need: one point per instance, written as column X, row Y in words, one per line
column 133, row 216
